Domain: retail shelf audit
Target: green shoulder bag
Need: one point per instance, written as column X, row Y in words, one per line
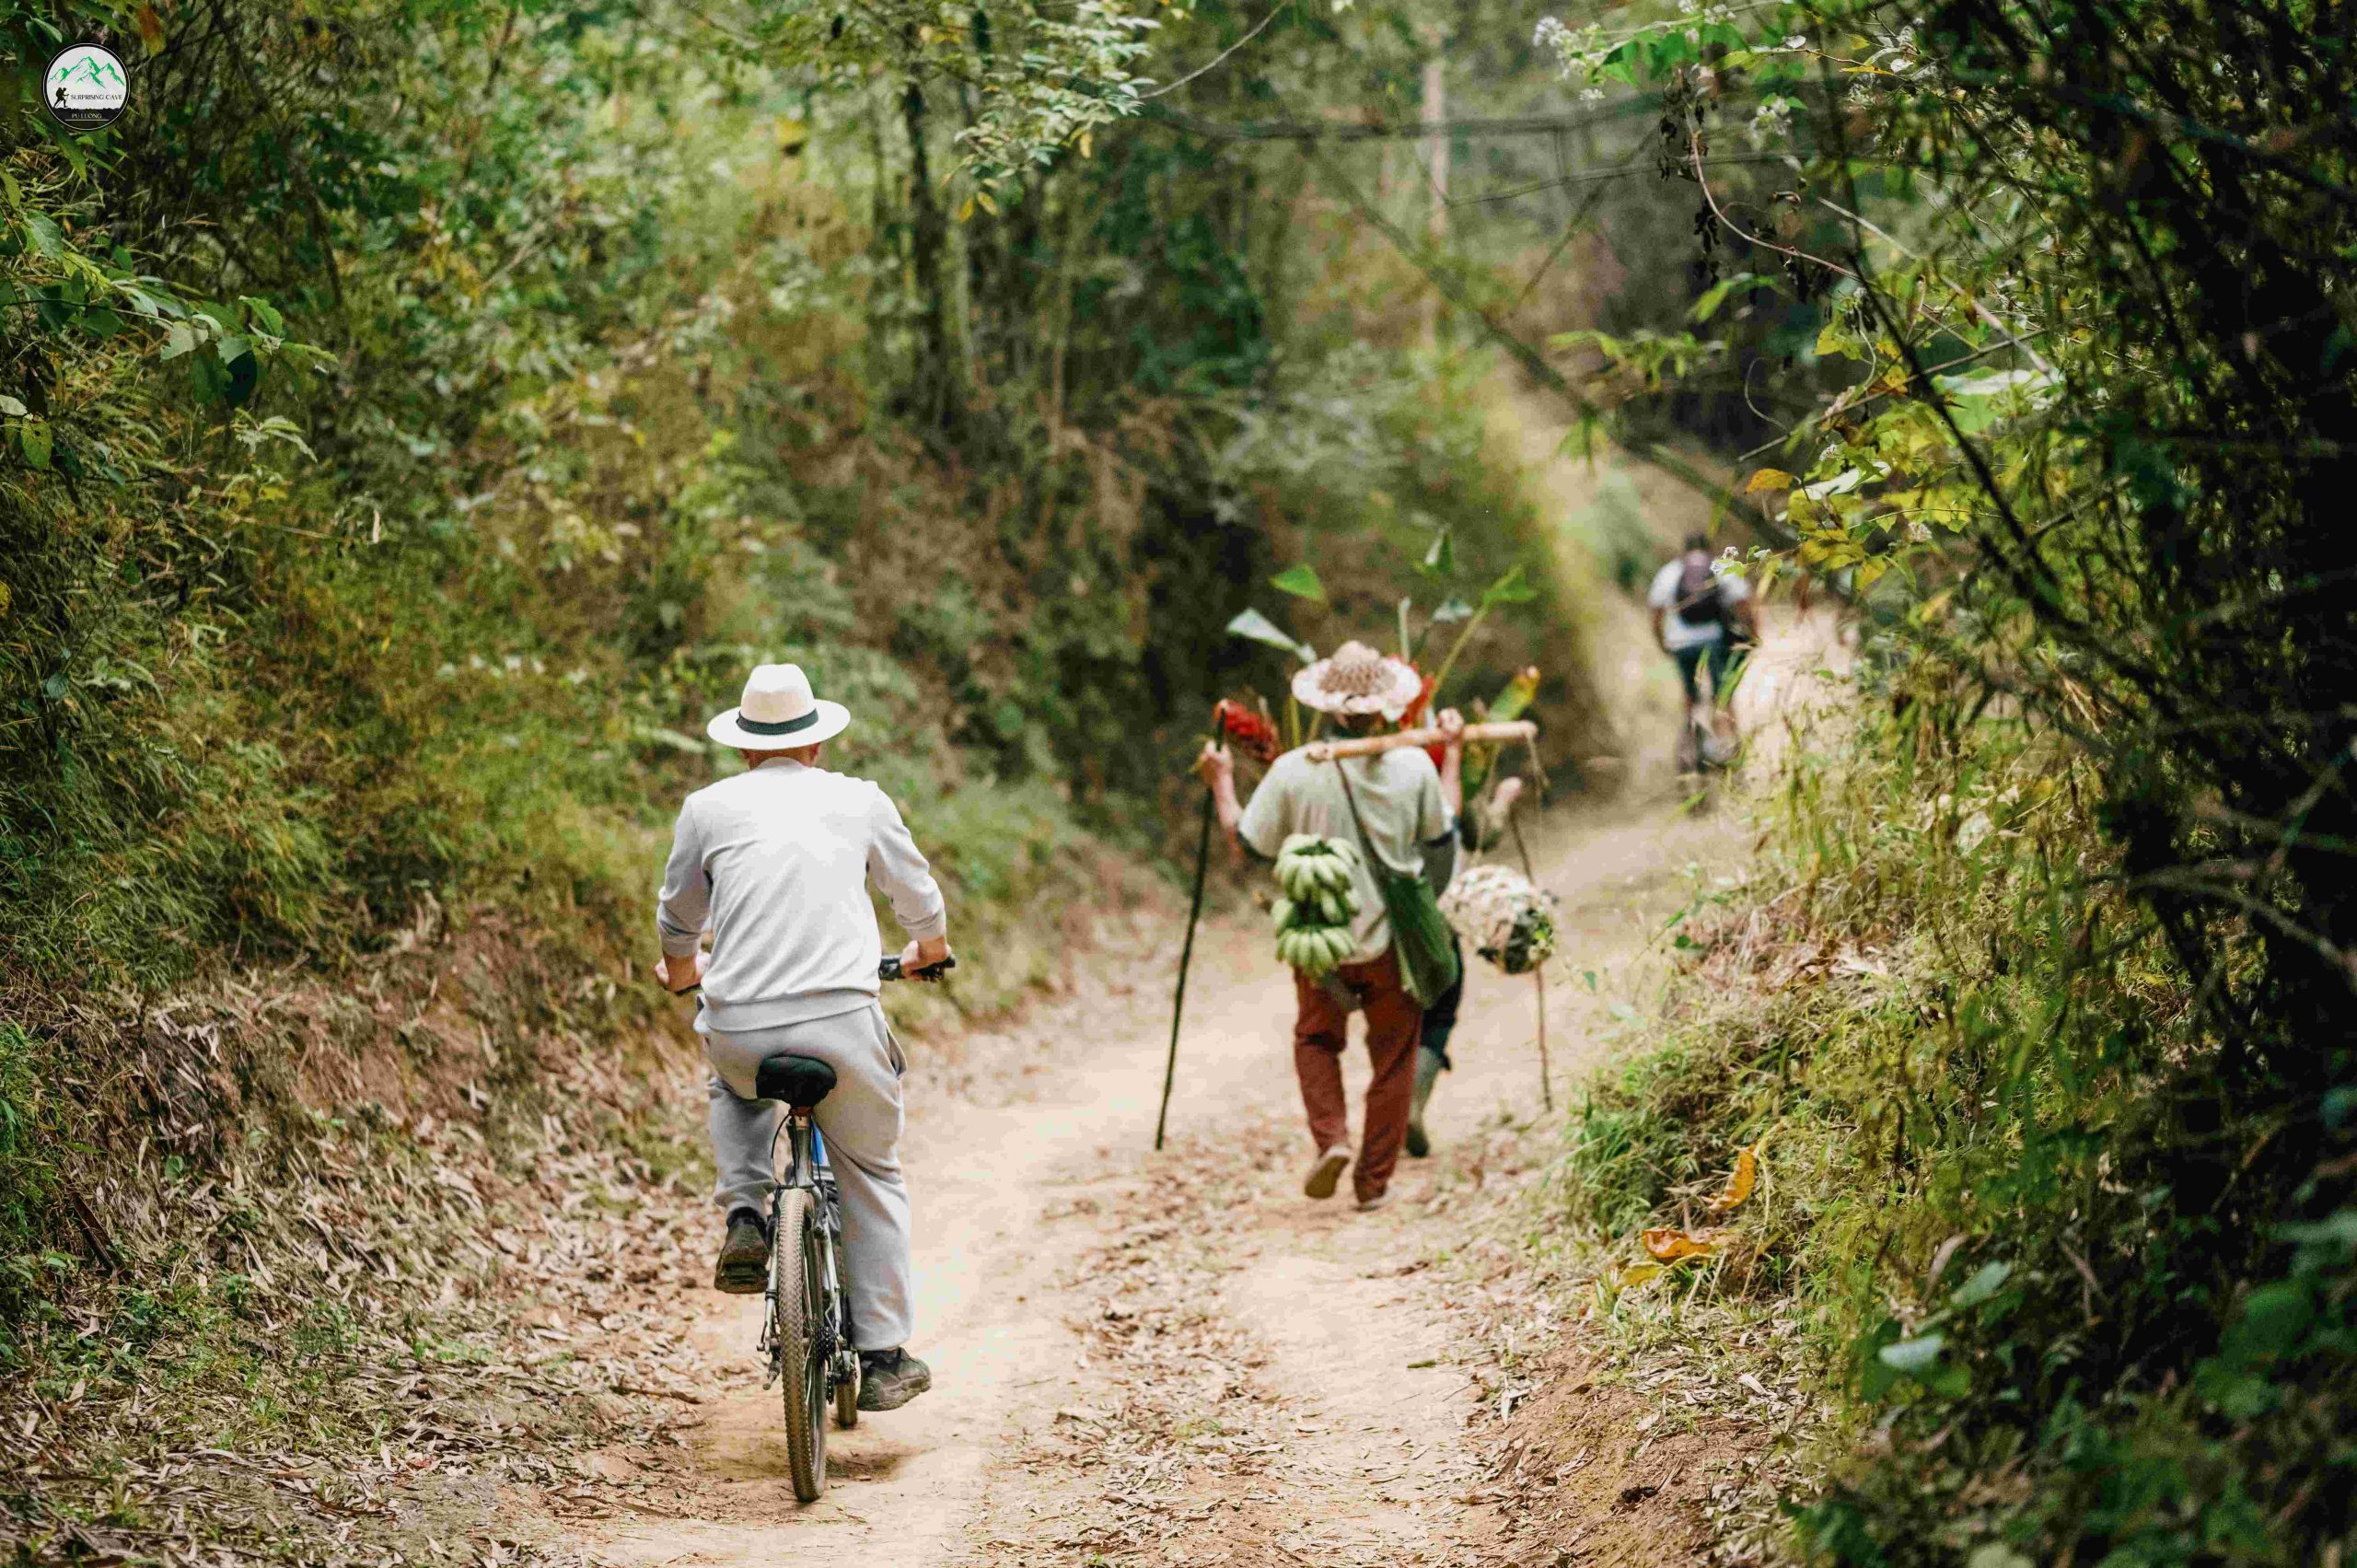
column 1419, row 932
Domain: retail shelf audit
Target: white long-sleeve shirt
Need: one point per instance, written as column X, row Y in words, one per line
column 777, row 862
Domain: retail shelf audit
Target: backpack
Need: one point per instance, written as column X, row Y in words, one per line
column 1700, row 601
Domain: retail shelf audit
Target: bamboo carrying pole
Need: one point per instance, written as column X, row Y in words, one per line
column 1367, row 746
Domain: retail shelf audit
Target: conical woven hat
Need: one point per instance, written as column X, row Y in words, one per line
column 1357, row 680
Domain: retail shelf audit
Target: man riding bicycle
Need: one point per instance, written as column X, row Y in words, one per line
column 776, row 862
column 1704, row 618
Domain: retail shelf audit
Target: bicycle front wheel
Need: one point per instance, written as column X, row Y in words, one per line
column 794, row 1285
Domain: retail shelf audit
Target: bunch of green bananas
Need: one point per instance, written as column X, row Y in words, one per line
column 1313, row 919
column 1309, row 865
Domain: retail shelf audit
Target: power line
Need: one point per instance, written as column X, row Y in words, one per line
column 1641, row 106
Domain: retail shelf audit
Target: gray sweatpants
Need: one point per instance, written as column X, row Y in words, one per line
column 860, row 1121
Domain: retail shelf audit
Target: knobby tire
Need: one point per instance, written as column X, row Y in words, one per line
column 794, row 1277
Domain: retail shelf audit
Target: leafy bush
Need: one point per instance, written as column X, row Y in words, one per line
column 31, row 1127
column 2087, row 474
column 1999, row 1187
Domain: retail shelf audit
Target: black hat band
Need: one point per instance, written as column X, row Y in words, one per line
column 783, row 726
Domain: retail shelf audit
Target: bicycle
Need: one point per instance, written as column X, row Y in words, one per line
column 1707, row 742
column 806, row 1320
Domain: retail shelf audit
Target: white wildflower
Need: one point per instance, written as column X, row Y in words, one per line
column 1772, row 118
column 1593, row 95
column 1796, row 41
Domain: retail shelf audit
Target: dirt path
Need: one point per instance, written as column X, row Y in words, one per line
column 1139, row 1358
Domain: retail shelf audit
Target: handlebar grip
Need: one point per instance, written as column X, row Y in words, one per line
column 891, row 969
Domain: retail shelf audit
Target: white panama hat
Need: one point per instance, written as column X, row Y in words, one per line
column 1357, row 680
column 778, row 712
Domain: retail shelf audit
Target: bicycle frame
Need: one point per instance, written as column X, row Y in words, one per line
column 807, row 1170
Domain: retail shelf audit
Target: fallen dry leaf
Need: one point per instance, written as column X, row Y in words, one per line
column 1670, row 1244
column 1740, row 1181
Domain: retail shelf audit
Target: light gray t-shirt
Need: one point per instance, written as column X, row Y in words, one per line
column 1398, row 794
column 777, row 862
column 1675, row 631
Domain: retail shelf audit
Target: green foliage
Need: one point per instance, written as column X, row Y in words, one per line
column 1616, row 524
column 1400, row 498
column 2088, row 466
column 31, row 1127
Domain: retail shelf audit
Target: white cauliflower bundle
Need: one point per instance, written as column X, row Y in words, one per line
column 1509, row 920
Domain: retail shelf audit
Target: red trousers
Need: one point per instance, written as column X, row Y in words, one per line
column 1394, row 1023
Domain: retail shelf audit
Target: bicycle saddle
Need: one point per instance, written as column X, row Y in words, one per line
column 800, row 1081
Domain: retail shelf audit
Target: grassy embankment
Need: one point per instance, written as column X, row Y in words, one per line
column 1966, row 1289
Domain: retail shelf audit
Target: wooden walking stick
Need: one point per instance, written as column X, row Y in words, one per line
column 1187, row 952
column 1258, row 737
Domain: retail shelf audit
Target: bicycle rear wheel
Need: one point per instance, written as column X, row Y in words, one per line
column 802, row 1358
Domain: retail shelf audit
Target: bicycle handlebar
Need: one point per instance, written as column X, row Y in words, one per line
column 888, row 970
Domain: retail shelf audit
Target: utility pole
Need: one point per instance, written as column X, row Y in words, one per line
column 1437, row 226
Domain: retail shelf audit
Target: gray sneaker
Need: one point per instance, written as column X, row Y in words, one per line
column 744, row 1266
column 890, row 1378
column 1327, row 1174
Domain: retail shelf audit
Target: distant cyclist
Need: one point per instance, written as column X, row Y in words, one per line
column 1705, row 619
column 776, row 863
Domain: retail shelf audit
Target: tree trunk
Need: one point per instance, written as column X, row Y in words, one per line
column 935, row 394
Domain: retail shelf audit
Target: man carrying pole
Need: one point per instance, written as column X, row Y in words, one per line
column 1395, row 795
